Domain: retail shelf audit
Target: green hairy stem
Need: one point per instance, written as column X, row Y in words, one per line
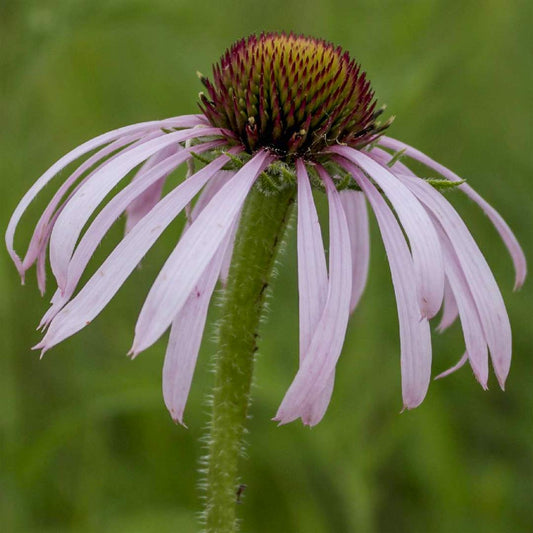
column 261, row 230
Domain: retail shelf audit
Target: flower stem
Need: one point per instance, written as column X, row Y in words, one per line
column 263, row 223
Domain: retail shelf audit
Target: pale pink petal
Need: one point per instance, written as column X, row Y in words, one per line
column 176, row 122
column 313, row 412
column 312, row 281
column 210, row 190
column 42, row 230
column 316, row 370
column 41, row 271
column 193, row 253
column 226, row 262
column 185, row 339
column 476, row 345
column 106, row 281
column 57, row 302
column 113, row 209
column 508, row 237
column 78, row 210
column 415, row 339
column 454, row 368
column 425, row 246
column 450, row 310
column 354, row 204
column 312, row 270
column 480, row 280
column 145, row 201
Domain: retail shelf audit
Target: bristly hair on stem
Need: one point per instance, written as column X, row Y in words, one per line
column 258, row 242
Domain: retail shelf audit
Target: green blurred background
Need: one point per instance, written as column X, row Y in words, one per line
column 86, row 443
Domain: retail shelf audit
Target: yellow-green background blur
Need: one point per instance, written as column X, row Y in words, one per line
column 86, row 443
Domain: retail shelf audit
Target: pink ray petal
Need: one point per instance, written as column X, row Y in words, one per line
column 106, row 281
column 415, row 338
column 226, row 262
column 312, row 282
column 78, row 210
column 193, row 253
column 145, row 201
column 316, row 370
column 515, row 251
column 210, row 190
column 450, row 312
column 425, row 246
column 42, row 230
column 312, row 270
column 480, row 280
column 109, row 214
column 42, row 234
column 186, row 337
column 176, row 122
column 354, row 204
column 41, row 271
column 454, row 368
column 476, row 345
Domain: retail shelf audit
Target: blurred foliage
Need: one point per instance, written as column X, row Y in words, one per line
column 86, row 443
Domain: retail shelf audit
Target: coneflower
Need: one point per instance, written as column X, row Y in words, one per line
column 281, row 116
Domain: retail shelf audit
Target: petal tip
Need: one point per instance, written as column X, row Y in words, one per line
column 519, row 283
column 177, row 418
column 501, row 375
column 41, row 346
column 279, row 419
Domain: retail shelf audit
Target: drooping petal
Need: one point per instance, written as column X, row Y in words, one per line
column 109, row 214
column 43, row 234
column 354, row 204
column 188, row 121
column 78, row 210
column 454, row 368
column 193, row 253
column 316, row 370
column 41, row 271
column 106, row 281
column 312, row 270
column 479, row 278
column 312, row 282
column 515, row 251
column 450, row 310
column 415, row 339
column 427, row 255
column 476, row 345
column 145, row 201
column 185, row 339
column 226, row 262
column 43, row 228
column 210, row 190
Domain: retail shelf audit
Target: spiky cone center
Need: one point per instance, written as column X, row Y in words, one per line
column 292, row 94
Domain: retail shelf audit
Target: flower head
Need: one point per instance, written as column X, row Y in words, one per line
column 303, row 104
column 290, row 94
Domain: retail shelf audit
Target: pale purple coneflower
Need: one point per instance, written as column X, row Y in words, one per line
column 300, row 113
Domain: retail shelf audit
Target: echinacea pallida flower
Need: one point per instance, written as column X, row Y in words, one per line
column 281, row 112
